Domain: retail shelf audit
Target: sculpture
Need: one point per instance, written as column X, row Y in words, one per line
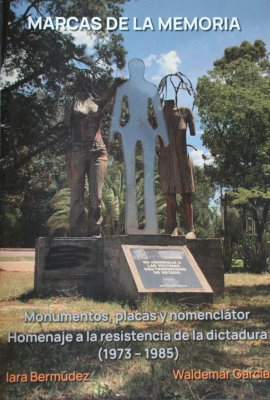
column 138, row 92
column 86, row 156
column 176, row 169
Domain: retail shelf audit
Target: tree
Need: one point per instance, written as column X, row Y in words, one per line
column 204, row 216
column 46, row 62
column 255, row 53
column 258, row 202
column 113, row 205
column 234, row 106
column 206, row 219
column 59, row 220
column 42, row 67
column 113, row 201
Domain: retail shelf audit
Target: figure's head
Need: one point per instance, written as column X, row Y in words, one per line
column 169, row 104
column 136, row 68
column 85, row 84
column 82, row 95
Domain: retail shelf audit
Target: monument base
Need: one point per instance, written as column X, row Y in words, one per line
column 98, row 267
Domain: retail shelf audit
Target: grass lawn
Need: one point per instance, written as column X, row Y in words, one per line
column 8, row 259
column 237, row 263
column 136, row 378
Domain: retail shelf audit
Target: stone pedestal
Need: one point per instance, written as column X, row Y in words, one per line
column 96, row 267
column 69, row 265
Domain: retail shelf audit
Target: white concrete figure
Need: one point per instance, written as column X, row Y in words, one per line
column 138, row 92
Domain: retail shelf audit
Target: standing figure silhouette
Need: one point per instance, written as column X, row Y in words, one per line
column 138, row 92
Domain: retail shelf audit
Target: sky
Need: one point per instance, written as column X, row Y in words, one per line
column 190, row 52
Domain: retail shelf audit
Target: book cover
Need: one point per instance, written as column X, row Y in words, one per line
column 114, row 328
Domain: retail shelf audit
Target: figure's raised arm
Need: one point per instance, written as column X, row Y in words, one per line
column 191, row 122
column 117, row 111
column 108, row 96
column 68, row 111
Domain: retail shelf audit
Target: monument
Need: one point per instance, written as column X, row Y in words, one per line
column 168, row 272
column 176, row 168
column 131, row 266
column 138, row 92
column 87, row 156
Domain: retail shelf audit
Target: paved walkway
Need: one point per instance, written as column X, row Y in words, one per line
column 17, row 252
column 17, row 266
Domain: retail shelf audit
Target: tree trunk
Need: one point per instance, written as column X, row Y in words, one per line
column 245, row 265
column 5, row 5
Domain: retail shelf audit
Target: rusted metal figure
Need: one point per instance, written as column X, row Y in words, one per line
column 87, row 156
column 176, row 169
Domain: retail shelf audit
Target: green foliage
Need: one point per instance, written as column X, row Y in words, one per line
column 113, row 205
column 232, row 235
column 227, row 254
column 41, row 68
column 27, row 199
column 102, row 391
column 234, row 106
column 255, row 253
column 246, row 51
column 234, row 222
column 47, row 64
column 205, row 218
column 136, row 379
column 11, row 220
column 60, row 217
column 258, row 202
column 244, row 196
column 113, row 201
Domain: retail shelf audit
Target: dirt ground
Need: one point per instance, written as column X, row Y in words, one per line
column 17, row 265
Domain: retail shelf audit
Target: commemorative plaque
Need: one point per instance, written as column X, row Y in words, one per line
column 166, row 269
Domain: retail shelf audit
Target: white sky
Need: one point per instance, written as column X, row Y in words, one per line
column 191, row 52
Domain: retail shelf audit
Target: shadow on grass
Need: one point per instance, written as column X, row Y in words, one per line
column 24, row 297
column 248, row 291
column 69, row 294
